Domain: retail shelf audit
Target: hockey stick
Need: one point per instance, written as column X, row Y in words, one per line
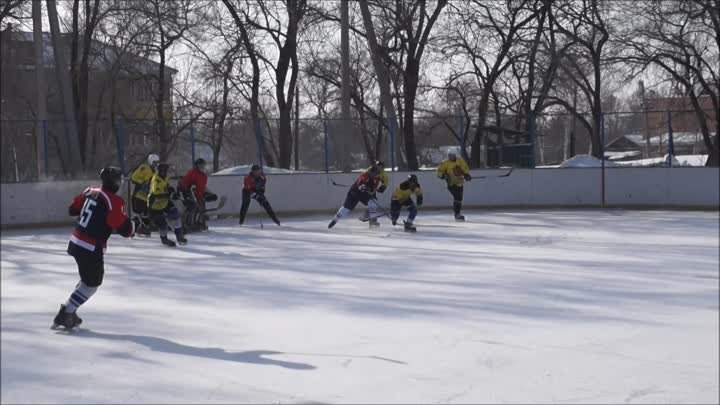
column 338, row 184
column 221, row 204
column 384, row 213
column 380, row 215
column 501, row 175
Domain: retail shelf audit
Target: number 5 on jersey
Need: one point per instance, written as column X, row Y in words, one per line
column 87, row 212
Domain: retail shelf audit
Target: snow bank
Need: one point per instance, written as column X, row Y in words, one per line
column 245, row 169
column 585, row 161
column 678, row 160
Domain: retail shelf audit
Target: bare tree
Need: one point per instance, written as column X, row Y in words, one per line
column 681, row 42
column 15, row 10
column 171, row 21
column 484, row 33
column 281, row 22
column 252, row 53
column 585, row 24
column 70, row 146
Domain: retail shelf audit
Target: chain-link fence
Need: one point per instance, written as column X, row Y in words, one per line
column 33, row 150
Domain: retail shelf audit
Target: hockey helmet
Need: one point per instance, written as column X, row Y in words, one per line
column 413, row 179
column 111, row 178
column 200, row 164
column 153, row 160
column 254, row 168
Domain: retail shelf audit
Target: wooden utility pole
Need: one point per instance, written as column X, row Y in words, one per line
column 41, row 93
column 347, row 127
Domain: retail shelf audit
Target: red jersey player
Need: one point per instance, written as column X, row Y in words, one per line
column 254, row 188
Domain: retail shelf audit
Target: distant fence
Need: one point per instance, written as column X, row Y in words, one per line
column 45, row 203
column 30, row 148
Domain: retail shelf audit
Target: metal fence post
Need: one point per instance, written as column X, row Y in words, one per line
column 120, row 127
column 671, row 146
column 532, row 138
column 461, row 131
column 259, row 136
column 325, row 146
column 45, row 148
column 392, row 144
column 602, row 159
column 192, row 142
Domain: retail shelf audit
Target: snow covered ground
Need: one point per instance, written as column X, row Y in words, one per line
column 517, row 306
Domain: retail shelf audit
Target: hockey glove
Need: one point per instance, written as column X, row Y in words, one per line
column 467, row 176
column 382, row 188
column 419, row 201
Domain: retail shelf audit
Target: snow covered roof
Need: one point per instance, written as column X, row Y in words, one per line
column 679, row 138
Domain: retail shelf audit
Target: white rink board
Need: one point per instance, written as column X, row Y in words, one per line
column 681, row 187
column 526, row 306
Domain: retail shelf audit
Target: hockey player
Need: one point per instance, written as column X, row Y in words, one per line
column 163, row 212
column 254, row 188
column 362, row 190
column 455, row 172
column 197, row 176
column 383, row 182
column 100, row 212
column 402, row 197
column 141, row 177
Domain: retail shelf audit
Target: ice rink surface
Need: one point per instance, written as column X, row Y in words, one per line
column 548, row 306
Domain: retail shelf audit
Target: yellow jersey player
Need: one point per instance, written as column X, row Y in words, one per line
column 402, row 197
column 455, row 172
column 141, row 177
column 163, row 212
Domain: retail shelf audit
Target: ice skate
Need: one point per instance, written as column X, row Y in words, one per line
column 409, row 227
column 167, row 242
column 65, row 319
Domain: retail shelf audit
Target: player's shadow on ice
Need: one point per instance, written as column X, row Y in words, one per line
column 168, row 346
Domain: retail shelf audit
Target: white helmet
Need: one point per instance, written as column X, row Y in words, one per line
column 153, row 159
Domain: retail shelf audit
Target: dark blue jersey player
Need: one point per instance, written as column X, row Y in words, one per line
column 100, row 212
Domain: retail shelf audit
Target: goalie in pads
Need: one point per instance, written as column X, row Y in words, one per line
column 193, row 187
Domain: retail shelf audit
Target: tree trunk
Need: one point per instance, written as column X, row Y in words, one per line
column 347, row 131
column 480, row 135
column 255, row 86
column 69, row 146
column 410, row 90
column 380, row 68
column 41, row 87
column 160, row 106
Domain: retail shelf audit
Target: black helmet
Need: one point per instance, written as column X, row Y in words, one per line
column 111, row 177
column 199, row 162
column 413, row 179
column 254, row 168
column 379, row 163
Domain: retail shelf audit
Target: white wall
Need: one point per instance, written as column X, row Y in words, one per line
column 677, row 187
